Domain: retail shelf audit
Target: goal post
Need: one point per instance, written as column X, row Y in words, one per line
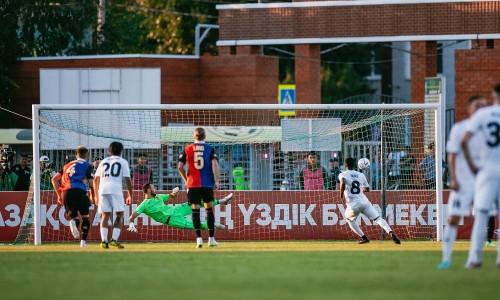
column 270, row 199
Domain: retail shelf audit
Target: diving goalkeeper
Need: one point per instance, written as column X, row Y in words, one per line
column 176, row 216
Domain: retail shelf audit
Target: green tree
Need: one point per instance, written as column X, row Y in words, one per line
column 343, row 72
column 39, row 27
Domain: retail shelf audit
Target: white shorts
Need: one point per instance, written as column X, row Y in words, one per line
column 460, row 203
column 361, row 207
column 487, row 195
column 111, row 202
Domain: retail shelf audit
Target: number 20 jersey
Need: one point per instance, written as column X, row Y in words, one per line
column 198, row 157
column 355, row 182
column 111, row 171
column 486, row 122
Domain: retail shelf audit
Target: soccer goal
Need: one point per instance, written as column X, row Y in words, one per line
column 280, row 161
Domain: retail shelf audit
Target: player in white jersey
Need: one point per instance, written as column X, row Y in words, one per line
column 353, row 185
column 462, row 195
column 485, row 122
column 108, row 180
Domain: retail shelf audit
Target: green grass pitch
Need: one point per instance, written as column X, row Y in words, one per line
column 244, row 270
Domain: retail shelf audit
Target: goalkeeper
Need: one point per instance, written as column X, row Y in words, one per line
column 176, row 216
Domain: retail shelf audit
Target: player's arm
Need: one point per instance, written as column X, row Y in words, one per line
column 216, row 171
column 128, row 182
column 89, row 177
column 133, row 216
column 365, row 185
column 215, row 168
column 172, row 195
column 342, row 188
column 97, row 180
column 452, row 158
column 180, row 167
column 56, row 183
column 465, row 148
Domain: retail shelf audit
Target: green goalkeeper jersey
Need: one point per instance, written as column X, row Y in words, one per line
column 156, row 208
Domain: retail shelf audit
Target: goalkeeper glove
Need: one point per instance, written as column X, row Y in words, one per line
column 131, row 227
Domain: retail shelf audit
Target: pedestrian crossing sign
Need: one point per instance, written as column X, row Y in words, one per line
column 287, row 95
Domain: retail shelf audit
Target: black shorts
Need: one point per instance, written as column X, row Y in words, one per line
column 76, row 201
column 196, row 195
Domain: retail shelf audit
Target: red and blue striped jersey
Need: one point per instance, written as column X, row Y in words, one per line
column 75, row 175
column 198, row 157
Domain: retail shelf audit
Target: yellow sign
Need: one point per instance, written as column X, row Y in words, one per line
column 287, row 95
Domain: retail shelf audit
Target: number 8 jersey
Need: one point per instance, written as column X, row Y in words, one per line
column 486, row 122
column 198, row 157
column 354, row 183
column 111, row 171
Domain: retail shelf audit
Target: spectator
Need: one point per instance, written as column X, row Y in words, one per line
column 313, row 176
column 8, row 178
column 408, row 164
column 46, row 173
column 95, row 163
column 375, row 175
column 334, row 169
column 23, row 173
column 141, row 174
column 428, row 167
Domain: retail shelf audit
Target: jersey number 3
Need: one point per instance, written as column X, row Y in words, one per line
column 494, row 133
column 355, row 187
column 199, row 161
column 116, row 167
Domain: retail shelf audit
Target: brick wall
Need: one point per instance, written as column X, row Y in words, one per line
column 477, row 71
column 308, row 74
column 211, row 79
column 358, row 21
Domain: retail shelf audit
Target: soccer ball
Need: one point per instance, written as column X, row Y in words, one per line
column 363, row 163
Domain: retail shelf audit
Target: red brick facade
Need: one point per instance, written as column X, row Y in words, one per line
column 307, row 74
column 360, row 20
column 423, row 64
column 210, row 79
column 476, row 72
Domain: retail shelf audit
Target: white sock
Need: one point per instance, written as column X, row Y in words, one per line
column 355, row 227
column 116, row 234
column 478, row 237
column 382, row 223
column 450, row 235
column 104, row 234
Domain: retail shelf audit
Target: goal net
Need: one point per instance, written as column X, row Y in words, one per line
column 283, row 170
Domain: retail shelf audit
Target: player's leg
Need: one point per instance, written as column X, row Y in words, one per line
column 459, row 205
column 372, row 214
column 224, row 201
column 491, row 231
column 194, row 199
column 184, row 222
column 118, row 207
column 84, row 205
column 71, row 206
column 105, row 210
column 208, row 199
column 486, row 192
column 351, row 217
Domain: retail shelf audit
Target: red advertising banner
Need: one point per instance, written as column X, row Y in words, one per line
column 252, row 215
